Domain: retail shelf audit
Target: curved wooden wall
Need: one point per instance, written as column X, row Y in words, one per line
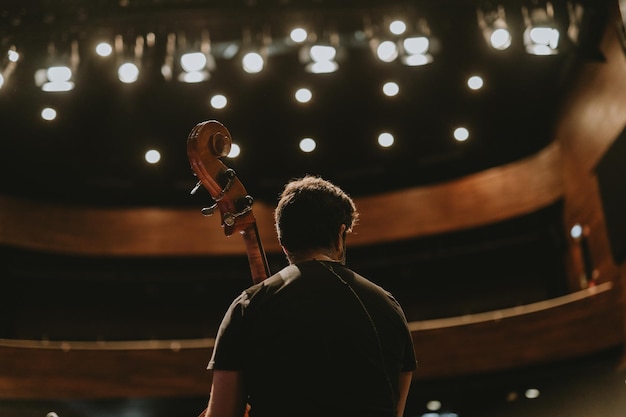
column 490, row 196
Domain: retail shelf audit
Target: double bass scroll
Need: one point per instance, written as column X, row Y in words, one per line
column 206, row 144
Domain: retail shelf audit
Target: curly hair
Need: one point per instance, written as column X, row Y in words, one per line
column 310, row 213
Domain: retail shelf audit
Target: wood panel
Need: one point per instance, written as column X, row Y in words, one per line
column 490, row 196
column 564, row 327
column 593, row 115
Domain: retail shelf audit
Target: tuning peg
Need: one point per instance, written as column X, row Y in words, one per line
column 208, row 211
column 193, row 191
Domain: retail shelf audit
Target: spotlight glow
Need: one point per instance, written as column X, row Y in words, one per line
column 461, row 134
column 416, row 60
column 541, row 40
column 416, row 45
column 475, row 82
column 323, row 67
column 433, row 405
column 252, row 63
column 576, row 231
column 219, row 101
column 387, row 51
column 307, row 145
column 235, row 151
column 303, row 95
column 391, row 89
column 13, row 56
column 385, row 139
column 49, row 114
column 298, row 35
column 128, row 73
column 59, row 74
column 500, row 39
column 1, row 80
column 152, row 156
column 59, row 79
column 194, row 61
column 545, row 36
column 532, row 393
column 322, row 53
column 397, row 27
column 194, row 76
column 57, row 86
column 104, row 49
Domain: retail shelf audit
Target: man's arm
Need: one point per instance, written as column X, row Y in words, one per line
column 227, row 395
column 404, row 385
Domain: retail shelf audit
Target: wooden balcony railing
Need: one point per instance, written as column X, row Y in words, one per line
column 565, row 327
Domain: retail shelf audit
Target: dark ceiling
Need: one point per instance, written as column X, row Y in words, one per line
column 93, row 152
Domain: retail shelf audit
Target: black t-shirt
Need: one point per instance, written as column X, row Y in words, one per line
column 316, row 339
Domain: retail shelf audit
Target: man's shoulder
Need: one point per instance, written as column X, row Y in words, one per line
column 275, row 282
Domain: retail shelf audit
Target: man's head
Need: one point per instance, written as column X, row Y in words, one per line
column 310, row 215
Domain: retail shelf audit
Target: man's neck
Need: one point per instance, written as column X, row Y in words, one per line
column 317, row 255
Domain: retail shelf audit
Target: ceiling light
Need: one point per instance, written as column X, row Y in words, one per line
column 387, row 51
column 152, row 156
column 541, row 40
column 49, row 114
column 235, row 151
column 303, row 95
column 414, row 49
column 500, row 38
column 54, row 79
column 532, row 393
column 391, row 89
column 321, row 53
column 492, row 21
column 385, row 139
column 461, row 134
column 397, row 27
column 129, row 59
column 196, row 62
column 475, row 82
column 252, row 62
column 58, row 76
column 194, row 65
column 5, row 73
column 322, row 59
column 128, row 73
column 104, row 49
column 218, row 101
column 307, row 145
column 541, row 36
column 433, row 405
column 193, row 61
column 13, row 55
column 298, row 35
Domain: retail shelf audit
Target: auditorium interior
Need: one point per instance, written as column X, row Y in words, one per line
column 483, row 141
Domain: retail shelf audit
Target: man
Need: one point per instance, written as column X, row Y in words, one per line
column 315, row 339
